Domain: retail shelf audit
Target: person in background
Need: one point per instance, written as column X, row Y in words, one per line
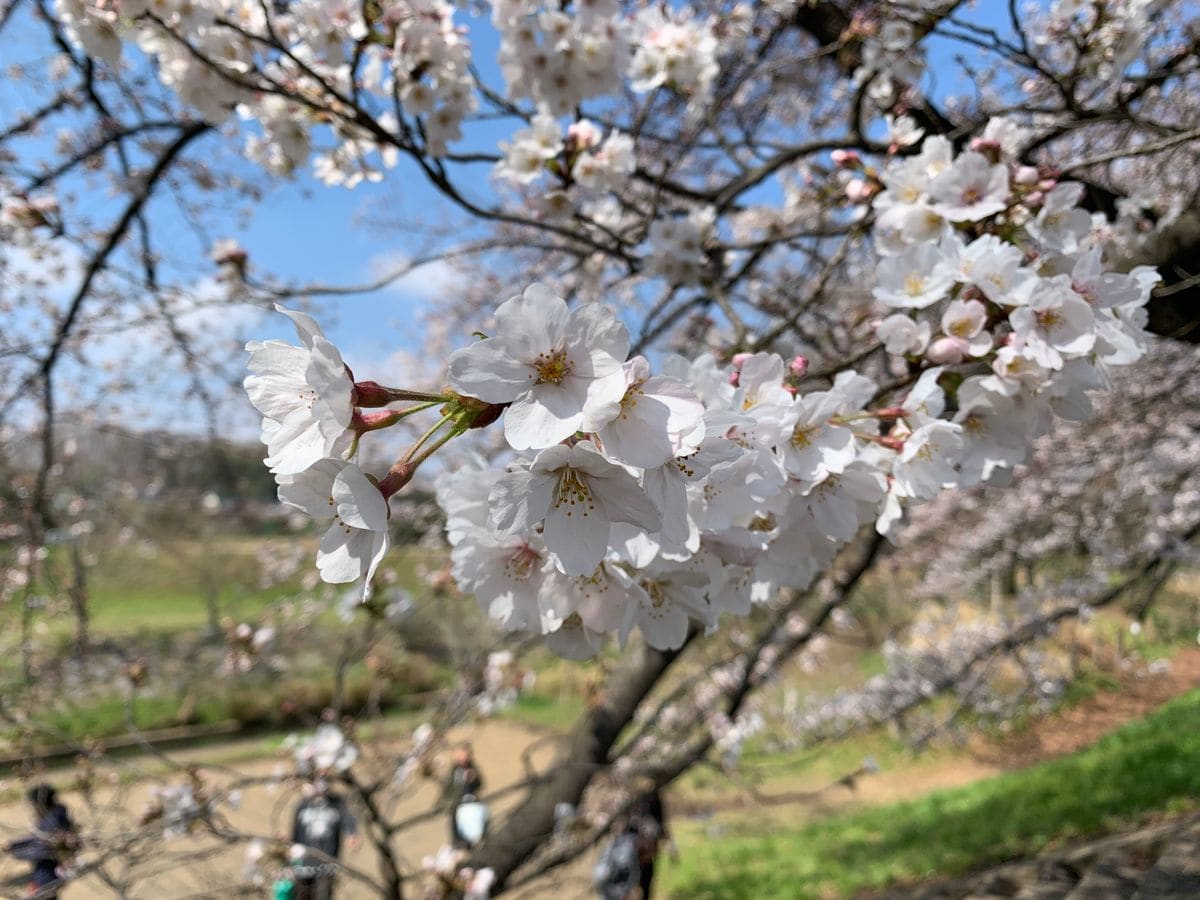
column 463, row 780
column 322, row 819
column 54, row 842
column 648, row 818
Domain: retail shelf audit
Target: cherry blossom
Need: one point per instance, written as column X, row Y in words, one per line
column 579, row 495
column 560, row 370
column 304, row 395
column 357, row 538
column 971, row 189
column 658, row 418
column 326, row 749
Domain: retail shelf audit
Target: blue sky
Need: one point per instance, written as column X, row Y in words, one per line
column 303, row 231
column 344, row 251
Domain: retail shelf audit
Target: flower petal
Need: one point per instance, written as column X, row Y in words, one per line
column 519, row 501
column 531, row 323
column 541, row 417
column 597, row 341
column 487, row 370
column 577, row 537
column 359, row 502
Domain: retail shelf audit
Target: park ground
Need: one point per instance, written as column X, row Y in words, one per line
column 1124, row 746
column 1129, row 751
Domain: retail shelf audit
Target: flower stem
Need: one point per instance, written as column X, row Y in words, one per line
column 426, row 436
column 402, row 471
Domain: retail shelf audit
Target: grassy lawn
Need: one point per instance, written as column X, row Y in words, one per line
column 542, row 711
column 167, row 590
column 1146, row 766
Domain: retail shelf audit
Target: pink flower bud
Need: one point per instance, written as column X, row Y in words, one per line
column 397, row 477
column 583, row 135
column 1026, row 175
column 846, row 159
column 1035, row 199
column 799, row 366
column 370, row 393
column 362, row 422
column 739, row 359
column 1047, row 184
column 945, row 350
column 858, row 191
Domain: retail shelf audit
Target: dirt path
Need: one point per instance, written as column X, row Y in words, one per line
column 1088, row 721
column 200, row 867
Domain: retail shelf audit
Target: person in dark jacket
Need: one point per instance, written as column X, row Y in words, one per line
column 53, row 843
column 322, row 819
column 648, row 819
column 463, row 780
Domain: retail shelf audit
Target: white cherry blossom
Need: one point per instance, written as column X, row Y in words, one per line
column 971, row 189
column 914, row 279
column 657, row 419
column 304, row 394
column 560, row 370
column 357, row 537
column 927, row 462
column 578, row 495
column 664, row 609
column 901, row 335
column 1058, row 322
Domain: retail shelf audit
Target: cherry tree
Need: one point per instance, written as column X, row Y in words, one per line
column 743, row 292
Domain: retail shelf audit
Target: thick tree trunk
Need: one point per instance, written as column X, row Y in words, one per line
column 585, row 753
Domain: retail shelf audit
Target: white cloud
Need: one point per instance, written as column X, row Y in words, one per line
column 427, row 283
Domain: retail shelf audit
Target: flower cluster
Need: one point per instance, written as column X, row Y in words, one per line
column 446, row 876
column 311, row 425
column 677, row 250
column 580, row 159
column 654, row 501
column 245, row 646
column 328, row 749
column 560, row 56
column 1115, row 489
column 179, row 808
column 503, row 682
column 993, row 265
column 891, row 57
column 227, row 56
column 676, row 49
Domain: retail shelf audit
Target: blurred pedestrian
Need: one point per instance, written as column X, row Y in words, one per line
column 53, row 843
column 648, row 819
column 322, row 819
column 463, row 781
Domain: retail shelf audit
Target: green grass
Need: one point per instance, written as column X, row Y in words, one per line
column 285, row 701
column 166, row 591
column 545, row 712
column 103, row 718
column 1146, row 766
